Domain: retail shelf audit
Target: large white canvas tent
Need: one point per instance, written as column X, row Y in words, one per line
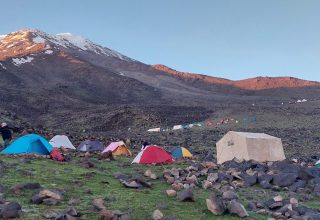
column 61, row 141
column 249, row 146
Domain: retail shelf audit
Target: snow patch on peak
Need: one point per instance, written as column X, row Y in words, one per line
column 48, row 52
column 19, row 61
column 38, row 40
column 2, row 36
column 77, row 41
column 68, row 39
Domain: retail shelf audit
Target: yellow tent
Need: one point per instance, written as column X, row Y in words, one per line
column 118, row 148
column 181, row 152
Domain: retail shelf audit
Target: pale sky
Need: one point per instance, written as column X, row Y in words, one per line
column 232, row 39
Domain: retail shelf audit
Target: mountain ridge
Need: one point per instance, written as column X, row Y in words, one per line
column 255, row 83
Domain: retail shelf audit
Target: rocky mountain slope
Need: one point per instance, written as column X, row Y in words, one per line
column 66, row 81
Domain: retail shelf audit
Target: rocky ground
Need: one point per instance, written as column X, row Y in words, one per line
column 91, row 187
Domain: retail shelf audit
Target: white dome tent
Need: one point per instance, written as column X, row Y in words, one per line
column 61, row 141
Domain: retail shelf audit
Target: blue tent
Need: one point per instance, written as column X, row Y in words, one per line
column 29, row 144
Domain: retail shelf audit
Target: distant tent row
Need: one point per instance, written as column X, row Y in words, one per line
column 35, row 144
column 241, row 145
column 207, row 124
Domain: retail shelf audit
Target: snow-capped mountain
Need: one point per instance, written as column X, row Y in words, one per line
column 61, row 79
column 26, row 42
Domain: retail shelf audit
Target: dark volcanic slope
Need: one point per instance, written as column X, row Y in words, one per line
column 65, row 81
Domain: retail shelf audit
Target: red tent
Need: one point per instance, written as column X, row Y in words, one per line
column 153, row 154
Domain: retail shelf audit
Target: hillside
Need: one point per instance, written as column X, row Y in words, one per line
column 69, row 83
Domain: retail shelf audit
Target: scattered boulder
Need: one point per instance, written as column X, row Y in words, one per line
column 98, row 204
column 229, row 195
column 171, row 193
column 186, row 196
column 250, row 180
column 49, row 193
column 20, row 187
column 272, row 204
column 297, row 185
column 47, row 196
column 284, row 179
column 11, row 210
column 238, row 209
column 216, row 205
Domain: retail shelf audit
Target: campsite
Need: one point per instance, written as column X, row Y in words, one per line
column 130, row 184
column 160, row 110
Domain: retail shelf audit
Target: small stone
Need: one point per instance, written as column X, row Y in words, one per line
column 153, row 176
column 72, row 211
column 209, row 164
column 278, row 198
column 206, row 184
column 51, row 214
column 170, row 180
column 192, row 179
column 147, row 173
column 213, row 177
column 117, row 213
column 293, row 201
column 177, row 186
column 98, row 204
column 186, row 186
column 125, row 217
column 261, row 212
column 157, row 215
column 171, row 193
column 105, row 215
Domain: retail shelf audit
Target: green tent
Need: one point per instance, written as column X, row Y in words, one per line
column 318, row 164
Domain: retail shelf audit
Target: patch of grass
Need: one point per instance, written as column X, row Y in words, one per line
column 75, row 181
